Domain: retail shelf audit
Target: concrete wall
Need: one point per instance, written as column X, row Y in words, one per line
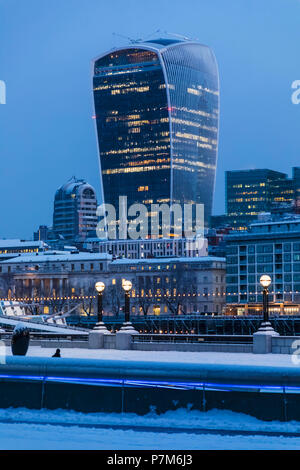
column 52, row 388
column 63, row 344
column 109, row 341
column 280, row 345
column 284, row 344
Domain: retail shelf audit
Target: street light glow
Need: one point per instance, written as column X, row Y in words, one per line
column 99, row 286
column 127, row 285
column 265, row 280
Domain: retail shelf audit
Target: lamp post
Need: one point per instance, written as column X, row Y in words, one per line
column 127, row 286
column 100, row 286
column 265, row 281
column 262, row 339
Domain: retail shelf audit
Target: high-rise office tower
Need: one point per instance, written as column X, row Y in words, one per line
column 157, row 113
column 296, row 179
column 75, row 206
column 250, row 192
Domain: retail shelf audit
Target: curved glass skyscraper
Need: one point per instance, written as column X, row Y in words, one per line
column 75, row 206
column 157, row 112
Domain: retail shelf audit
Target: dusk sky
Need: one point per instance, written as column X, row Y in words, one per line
column 47, row 132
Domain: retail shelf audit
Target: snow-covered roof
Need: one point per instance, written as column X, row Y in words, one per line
column 17, row 243
column 288, row 220
column 200, row 259
column 137, row 241
column 55, row 256
column 4, row 256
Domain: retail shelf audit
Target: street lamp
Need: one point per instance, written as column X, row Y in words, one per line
column 127, row 286
column 265, row 281
column 265, row 326
column 262, row 339
column 100, row 286
column 127, row 325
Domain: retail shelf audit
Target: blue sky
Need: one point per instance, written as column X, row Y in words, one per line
column 46, row 129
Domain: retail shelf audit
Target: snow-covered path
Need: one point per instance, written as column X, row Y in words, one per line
column 46, row 437
column 49, row 434
column 44, row 429
column 167, row 356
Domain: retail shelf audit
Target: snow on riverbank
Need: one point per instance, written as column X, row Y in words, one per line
column 181, row 418
column 46, row 437
column 55, row 436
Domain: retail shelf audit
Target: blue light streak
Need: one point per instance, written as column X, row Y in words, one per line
column 155, row 384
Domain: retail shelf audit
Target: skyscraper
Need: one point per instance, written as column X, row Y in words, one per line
column 75, row 206
column 250, row 192
column 157, row 113
column 296, row 179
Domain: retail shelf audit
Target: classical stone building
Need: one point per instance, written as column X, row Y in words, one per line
column 160, row 285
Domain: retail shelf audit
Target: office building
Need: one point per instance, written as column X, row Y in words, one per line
column 157, row 113
column 271, row 248
column 75, row 206
column 42, row 233
column 157, row 248
column 250, row 192
column 10, row 248
column 296, row 179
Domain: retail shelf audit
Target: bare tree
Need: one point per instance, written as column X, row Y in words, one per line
column 7, row 285
column 144, row 302
column 88, row 301
column 113, row 299
column 175, row 291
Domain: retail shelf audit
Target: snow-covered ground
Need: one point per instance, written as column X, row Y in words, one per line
column 46, row 429
column 167, row 356
column 61, row 429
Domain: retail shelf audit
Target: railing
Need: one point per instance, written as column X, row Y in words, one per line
column 285, row 325
column 198, row 316
column 43, row 323
column 179, row 338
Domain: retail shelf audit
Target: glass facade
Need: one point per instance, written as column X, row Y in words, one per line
column 194, row 114
column 267, row 248
column 249, row 192
column 296, row 179
column 75, row 206
column 156, row 111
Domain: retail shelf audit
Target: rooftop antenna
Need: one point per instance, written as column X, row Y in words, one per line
column 149, row 35
column 126, row 37
column 186, row 38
